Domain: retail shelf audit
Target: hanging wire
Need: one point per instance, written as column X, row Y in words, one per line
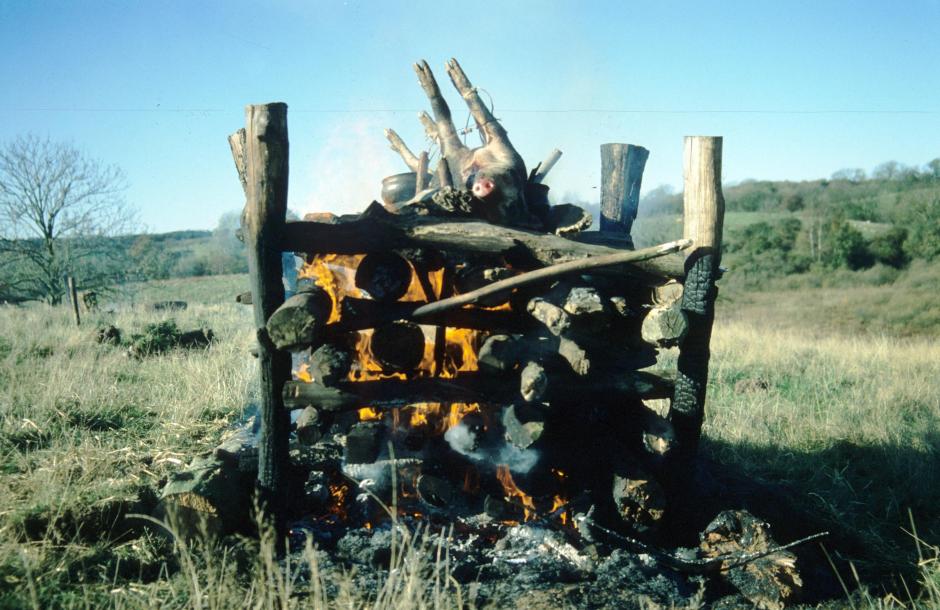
column 467, row 129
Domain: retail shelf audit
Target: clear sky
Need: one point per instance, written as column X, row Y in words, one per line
column 797, row 89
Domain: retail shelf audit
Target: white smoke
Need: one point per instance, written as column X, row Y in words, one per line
column 346, row 172
column 465, row 442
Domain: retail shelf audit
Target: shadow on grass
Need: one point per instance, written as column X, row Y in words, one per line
column 865, row 496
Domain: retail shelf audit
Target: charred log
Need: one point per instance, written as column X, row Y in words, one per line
column 358, row 314
column 398, row 347
column 308, row 426
column 523, row 424
column 385, row 276
column 299, row 321
column 329, row 363
column 665, row 326
column 364, row 442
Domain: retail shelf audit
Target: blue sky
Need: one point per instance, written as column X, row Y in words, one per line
column 797, row 89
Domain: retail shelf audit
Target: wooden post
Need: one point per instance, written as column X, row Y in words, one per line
column 621, row 176
column 73, row 298
column 261, row 156
column 703, row 217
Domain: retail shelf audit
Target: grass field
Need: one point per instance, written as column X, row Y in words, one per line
column 846, row 417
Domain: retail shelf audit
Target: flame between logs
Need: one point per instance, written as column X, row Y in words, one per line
column 513, row 492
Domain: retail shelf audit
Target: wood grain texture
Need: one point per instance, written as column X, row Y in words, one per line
column 621, row 177
column 266, row 175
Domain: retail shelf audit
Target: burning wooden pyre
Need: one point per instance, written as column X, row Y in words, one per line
column 469, row 353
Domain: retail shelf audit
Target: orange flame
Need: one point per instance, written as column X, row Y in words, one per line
column 558, row 503
column 369, row 414
column 433, row 416
column 512, row 491
column 303, row 373
column 334, row 273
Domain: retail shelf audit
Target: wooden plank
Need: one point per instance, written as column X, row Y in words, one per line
column 266, row 173
column 703, row 216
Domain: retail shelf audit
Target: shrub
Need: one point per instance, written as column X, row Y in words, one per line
column 923, row 220
column 848, row 248
column 888, row 248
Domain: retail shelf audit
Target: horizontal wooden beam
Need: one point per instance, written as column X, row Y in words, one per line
column 469, row 387
column 378, row 231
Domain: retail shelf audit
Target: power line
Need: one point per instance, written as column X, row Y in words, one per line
column 504, row 110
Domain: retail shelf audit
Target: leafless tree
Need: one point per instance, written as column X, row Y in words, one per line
column 59, row 210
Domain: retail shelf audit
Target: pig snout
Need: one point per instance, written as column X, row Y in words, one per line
column 483, row 187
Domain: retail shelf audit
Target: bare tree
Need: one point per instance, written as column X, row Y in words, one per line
column 59, row 212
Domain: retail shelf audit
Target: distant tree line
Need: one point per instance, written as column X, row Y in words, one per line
column 851, row 220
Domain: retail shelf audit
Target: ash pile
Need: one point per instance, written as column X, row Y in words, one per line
column 465, row 359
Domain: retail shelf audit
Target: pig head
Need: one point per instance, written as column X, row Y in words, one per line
column 494, row 173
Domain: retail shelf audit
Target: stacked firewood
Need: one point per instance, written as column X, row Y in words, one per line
column 570, row 342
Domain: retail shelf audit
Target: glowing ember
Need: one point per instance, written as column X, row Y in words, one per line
column 512, row 491
column 338, row 495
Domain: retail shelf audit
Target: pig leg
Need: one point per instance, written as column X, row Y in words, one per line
column 485, row 120
column 399, row 146
column 430, row 128
column 447, row 133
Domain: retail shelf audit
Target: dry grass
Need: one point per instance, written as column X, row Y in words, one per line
column 851, row 423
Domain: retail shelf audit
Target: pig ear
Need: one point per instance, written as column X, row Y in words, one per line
column 492, row 129
column 444, row 125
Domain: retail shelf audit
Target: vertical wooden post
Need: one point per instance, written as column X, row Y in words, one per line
column 265, row 162
column 73, row 298
column 621, row 176
column 703, row 217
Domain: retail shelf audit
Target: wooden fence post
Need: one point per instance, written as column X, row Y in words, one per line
column 261, row 157
column 621, row 176
column 73, row 298
column 703, row 217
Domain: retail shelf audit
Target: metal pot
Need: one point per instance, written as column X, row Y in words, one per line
column 399, row 188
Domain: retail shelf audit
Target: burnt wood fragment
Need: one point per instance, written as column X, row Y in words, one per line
column 523, row 424
column 638, row 497
column 364, row 442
